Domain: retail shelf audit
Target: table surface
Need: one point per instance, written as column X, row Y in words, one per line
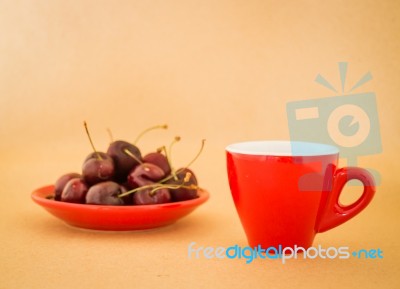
column 39, row 251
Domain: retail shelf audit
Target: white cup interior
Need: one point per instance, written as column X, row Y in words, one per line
column 282, row 148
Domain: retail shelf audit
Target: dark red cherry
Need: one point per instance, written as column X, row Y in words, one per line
column 126, row 157
column 105, row 193
column 75, row 191
column 98, row 167
column 145, row 174
column 61, row 182
column 147, row 197
column 159, row 160
column 182, row 192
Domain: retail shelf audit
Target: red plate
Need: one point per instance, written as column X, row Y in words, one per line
column 116, row 218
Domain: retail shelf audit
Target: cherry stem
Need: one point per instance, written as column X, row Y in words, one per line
column 128, row 152
column 164, row 149
column 91, row 142
column 137, row 189
column 169, row 156
column 176, row 186
column 198, row 153
column 164, row 126
column 173, row 187
column 110, row 135
column 157, row 186
column 188, row 165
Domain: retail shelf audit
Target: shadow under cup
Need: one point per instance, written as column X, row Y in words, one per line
column 286, row 192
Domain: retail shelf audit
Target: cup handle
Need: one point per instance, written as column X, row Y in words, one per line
column 335, row 214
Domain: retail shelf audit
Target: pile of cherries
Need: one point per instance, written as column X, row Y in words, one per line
column 122, row 176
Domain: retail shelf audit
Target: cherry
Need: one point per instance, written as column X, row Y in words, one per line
column 74, row 191
column 61, row 182
column 126, row 157
column 185, row 185
column 98, row 166
column 145, row 174
column 149, row 196
column 145, row 189
column 158, row 159
column 95, row 170
column 105, row 193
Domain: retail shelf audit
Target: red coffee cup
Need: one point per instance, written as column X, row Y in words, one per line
column 286, row 192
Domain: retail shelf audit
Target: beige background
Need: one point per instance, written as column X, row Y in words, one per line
column 220, row 70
